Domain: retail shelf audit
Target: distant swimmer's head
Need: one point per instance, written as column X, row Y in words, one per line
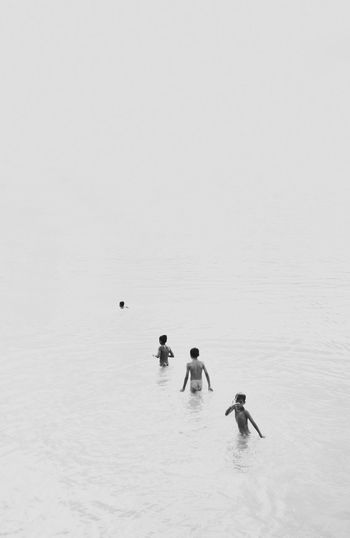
column 163, row 339
column 194, row 352
column 240, row 398
column 121, row 304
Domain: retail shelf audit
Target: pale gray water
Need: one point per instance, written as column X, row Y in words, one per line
column 192, row 160
column 97, row 441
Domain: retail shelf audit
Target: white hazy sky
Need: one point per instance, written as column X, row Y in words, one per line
column 175, row 120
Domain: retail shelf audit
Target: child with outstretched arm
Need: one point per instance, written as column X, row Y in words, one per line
column 242, row 415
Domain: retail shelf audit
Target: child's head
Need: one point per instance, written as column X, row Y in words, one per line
column 121, row 304
column 194, row 352
column 163, row 339
column 240, row 398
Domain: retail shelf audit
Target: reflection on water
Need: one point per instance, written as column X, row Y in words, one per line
column 240, row 453
column 163, row 377
column 149, row 452
column 120, row 451
column 195, row 403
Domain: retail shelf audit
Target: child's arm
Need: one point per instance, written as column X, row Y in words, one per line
column 248, row 415
column 186, row 378
column 208, row 378
column 229, row 410
column 171, row 354
column 158, row 354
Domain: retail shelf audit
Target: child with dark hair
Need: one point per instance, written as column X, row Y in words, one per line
column 195, row 368
column 164, row 351
column 242, row 415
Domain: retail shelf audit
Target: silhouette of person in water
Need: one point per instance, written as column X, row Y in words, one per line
column 195, row 368
column 122, row 305
column 164, row 351
column 242, row 415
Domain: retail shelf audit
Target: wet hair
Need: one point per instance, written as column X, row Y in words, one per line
column 121, row 304
column 194, row 352
column 240, row 398
column 163, row 339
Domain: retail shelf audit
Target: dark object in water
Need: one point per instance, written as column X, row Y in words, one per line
column 121, row 304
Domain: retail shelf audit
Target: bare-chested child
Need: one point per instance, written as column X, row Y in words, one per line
column 242, row 415
column 195, row 368
column 164, row 351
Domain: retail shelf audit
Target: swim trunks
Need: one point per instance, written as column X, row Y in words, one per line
column 196, row 384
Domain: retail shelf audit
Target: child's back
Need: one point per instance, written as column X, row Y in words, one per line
column 164, row 351
column 195, row 368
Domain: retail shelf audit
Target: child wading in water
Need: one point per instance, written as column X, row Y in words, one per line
column 163, row 351
column 195, row 368
column 242, row 415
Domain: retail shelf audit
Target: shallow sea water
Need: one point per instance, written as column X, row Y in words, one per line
column 191, row 159
column 97, row 441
